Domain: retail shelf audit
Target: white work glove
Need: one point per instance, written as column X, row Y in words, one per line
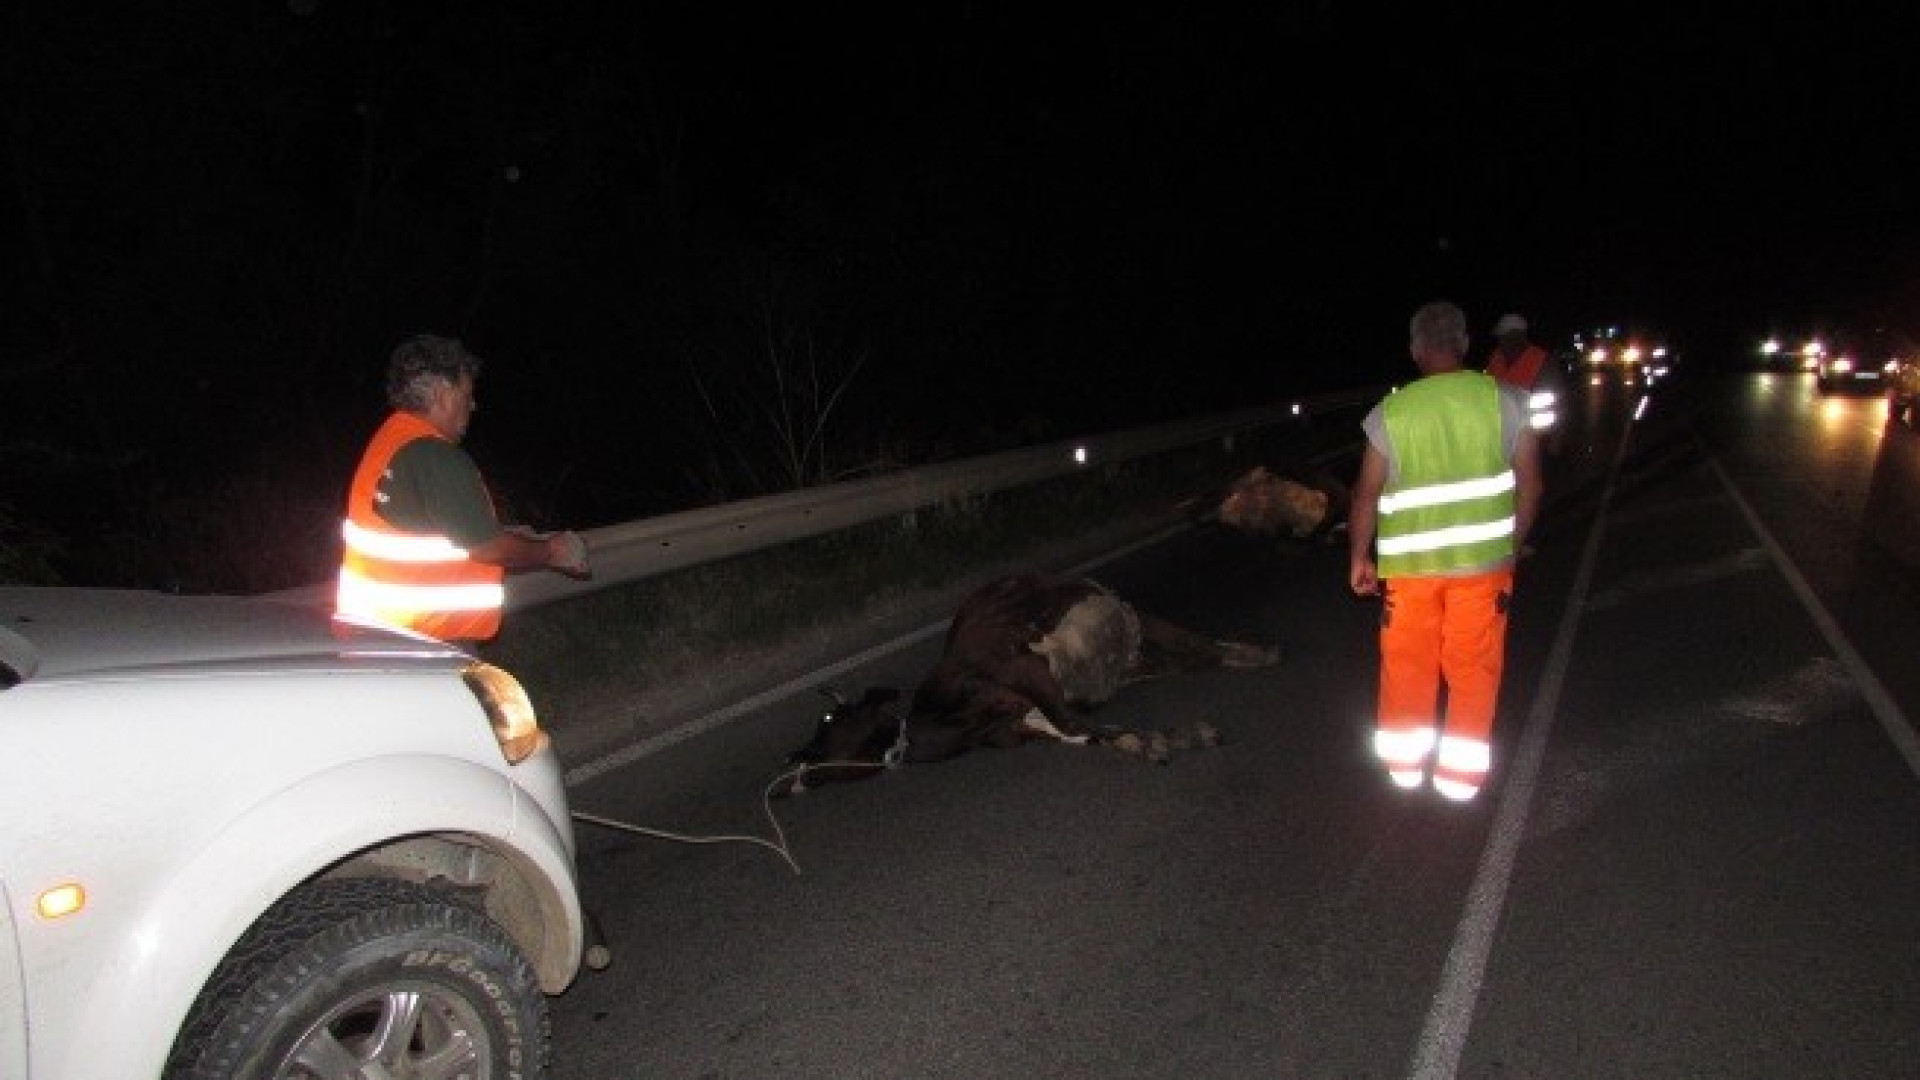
column 567, row 553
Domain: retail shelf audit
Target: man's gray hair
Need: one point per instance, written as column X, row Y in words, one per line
column 420, row 363
column 1440, row 325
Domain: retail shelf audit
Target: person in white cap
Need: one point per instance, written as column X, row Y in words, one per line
column 1517, row 361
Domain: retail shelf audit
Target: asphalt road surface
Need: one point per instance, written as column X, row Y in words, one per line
column 1699, row 857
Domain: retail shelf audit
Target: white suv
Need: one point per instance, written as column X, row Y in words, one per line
column 241, row 839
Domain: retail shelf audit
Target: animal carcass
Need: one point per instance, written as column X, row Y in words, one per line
column 1026, row 657
column 1303, row 502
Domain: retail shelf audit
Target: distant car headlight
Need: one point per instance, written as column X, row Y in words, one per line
column 509, row 709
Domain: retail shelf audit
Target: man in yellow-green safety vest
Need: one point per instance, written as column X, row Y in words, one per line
column 1449, row 487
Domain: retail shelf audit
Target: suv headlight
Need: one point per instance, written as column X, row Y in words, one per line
column 509, row 710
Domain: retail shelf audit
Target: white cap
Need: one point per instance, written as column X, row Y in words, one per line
column 1510, row 324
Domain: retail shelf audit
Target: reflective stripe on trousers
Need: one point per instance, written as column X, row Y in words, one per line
column 1404, row 752
column 1461, row 766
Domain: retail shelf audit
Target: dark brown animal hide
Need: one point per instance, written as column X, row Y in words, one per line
column 1026, row 657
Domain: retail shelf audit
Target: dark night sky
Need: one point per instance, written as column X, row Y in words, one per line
column 219, row 217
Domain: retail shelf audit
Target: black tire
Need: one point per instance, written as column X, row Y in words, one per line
column 310, row 988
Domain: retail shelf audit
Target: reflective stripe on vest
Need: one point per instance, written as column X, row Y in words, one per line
column 400, row 547
column 1524, row 371
column 1442, row 494
column 423, row 581
column 1541, row 410
column 1450, row 505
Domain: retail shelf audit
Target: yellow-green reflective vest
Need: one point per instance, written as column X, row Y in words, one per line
column 1449, row 506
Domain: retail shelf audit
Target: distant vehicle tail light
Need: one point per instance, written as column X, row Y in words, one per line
column 515, row 725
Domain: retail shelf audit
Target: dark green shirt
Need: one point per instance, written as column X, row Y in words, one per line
column 432, row 486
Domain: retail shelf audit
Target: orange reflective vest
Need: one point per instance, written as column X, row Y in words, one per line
column 1524, row 372
column 423, row 581
column 1521, row 371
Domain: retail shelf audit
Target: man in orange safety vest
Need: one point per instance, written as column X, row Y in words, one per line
column 1517, row 361
column 422, row 547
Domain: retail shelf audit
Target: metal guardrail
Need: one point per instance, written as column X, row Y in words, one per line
column 631, row 551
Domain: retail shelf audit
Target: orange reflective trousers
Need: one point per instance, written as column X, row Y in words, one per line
column 1435, row 631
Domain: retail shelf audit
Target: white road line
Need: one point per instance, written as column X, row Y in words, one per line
column 1442, row 1040
column 1892, row 719
column 1450, row 1016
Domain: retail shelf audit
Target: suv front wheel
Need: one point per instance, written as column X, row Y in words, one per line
column 363, row 977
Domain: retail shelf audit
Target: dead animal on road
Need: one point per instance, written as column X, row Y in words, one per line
column 1305, row 502
column 1027, row 657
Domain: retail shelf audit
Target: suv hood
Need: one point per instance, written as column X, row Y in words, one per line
column 63, row 633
